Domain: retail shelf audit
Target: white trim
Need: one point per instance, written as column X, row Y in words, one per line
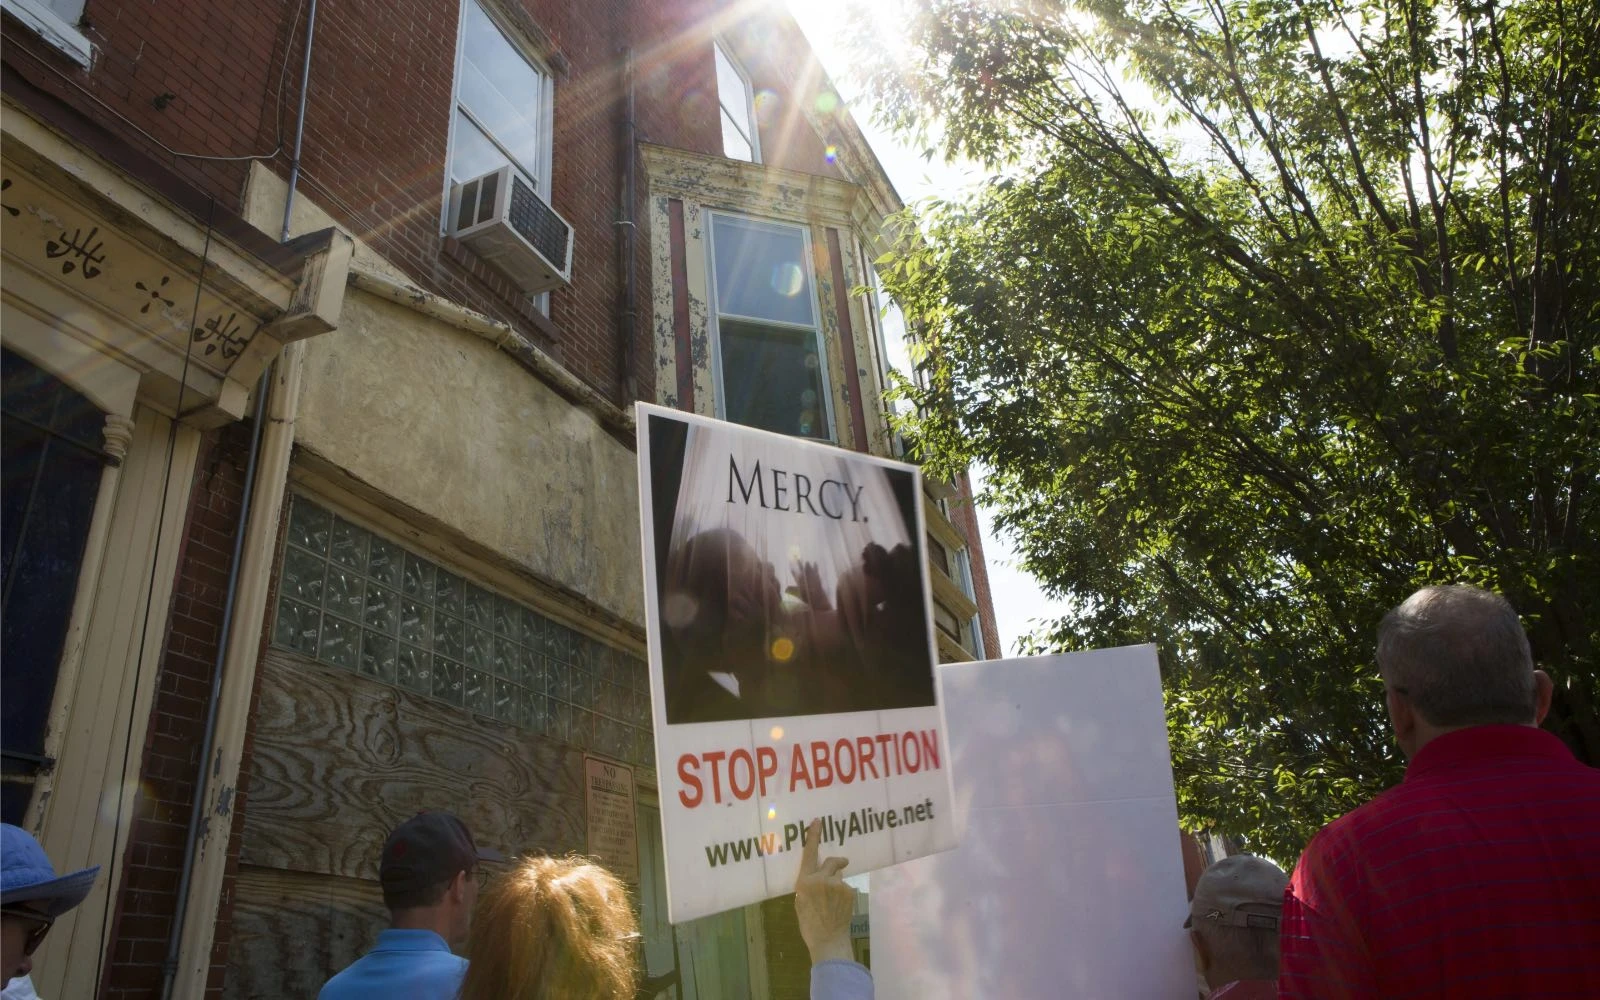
column 782, row 324
column 715, row 315
column 450, row 120
column 754, row 136
column 48, row 25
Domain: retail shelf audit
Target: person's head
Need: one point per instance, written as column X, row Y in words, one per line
column 429, row 874
column 31, row 898
column 1453, row 657
column 721, row 598
column 551, row 928
column 1233, row 919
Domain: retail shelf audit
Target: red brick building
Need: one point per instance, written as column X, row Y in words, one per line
column 323, row 504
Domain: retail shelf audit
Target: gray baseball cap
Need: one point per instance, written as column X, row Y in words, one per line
column 1239, row 891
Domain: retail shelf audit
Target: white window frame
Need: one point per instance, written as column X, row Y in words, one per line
column 41, row 17
column 545, row 111
column 963, row 564
column 716, row 315
column 749, row 100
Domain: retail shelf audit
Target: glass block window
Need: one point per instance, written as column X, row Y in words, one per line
column 353, row 599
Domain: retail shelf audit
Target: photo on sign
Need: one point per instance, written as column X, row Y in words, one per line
column 788, row 577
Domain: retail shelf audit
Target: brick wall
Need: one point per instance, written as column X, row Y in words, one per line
column 147, row 902
column 191, row 76
column 223, row 80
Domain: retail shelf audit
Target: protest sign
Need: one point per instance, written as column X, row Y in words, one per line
column 791, row 658
column 1069, row 878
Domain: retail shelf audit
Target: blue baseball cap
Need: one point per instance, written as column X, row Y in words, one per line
column 26, row 875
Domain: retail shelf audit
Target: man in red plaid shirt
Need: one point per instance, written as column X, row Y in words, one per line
column 1479, row 875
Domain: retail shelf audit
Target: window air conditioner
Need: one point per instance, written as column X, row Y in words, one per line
column 505, row 222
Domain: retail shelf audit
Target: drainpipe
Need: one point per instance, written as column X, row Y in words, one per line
column 627, row 310
column 230, row 600
column 299, row 122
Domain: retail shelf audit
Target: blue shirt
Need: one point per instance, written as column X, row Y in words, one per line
column 839, row 980
column 403, row 965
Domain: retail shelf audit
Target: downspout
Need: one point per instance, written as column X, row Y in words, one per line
column 627, row 311
column 299, row 123
column 169, row 970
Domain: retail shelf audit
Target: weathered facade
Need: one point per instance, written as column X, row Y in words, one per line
column 319, row 517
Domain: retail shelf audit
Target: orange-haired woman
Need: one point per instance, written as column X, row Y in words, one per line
column 552, row 928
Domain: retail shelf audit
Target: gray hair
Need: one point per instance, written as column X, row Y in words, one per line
column 1460, row 655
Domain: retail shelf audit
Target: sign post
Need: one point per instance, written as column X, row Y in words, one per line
column 791, row 658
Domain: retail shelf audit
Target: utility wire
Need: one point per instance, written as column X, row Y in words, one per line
column 283, row 79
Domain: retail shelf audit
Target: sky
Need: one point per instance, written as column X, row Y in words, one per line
column 1018, row 601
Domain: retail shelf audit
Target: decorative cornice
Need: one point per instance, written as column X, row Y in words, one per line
column 750, row 187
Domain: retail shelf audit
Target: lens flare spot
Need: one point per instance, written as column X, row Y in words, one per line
column 772, row 812
column 776, row 733
column 831, row 153
column 695, row 107
column 679, row 609
column 767, row 102
column 827, row 102
column 787, row 279
column 782, row 648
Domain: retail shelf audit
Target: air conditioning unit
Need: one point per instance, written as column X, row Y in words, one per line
column 505, row 222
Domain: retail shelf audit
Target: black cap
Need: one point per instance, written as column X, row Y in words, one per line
column 427, row 849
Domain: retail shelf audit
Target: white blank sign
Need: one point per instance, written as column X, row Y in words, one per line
column 1068, row 881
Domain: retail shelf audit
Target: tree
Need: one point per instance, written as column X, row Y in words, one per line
column 1274, row 311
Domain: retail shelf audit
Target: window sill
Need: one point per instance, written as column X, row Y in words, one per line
column 44, row 22
column 504, row 291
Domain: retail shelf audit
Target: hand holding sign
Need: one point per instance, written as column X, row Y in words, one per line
column 824, row 902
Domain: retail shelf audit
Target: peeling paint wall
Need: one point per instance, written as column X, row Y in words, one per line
column 446, row 424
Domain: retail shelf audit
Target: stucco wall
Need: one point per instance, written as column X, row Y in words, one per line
column 445, row 423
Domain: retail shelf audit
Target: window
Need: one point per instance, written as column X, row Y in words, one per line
column 353, row 599
column 768, row 357
column 963, row 578
column 739, row 138
column 55, row 21
column 52, row 443
column 503, row 106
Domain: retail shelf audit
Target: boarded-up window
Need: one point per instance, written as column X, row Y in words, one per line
column 353, row 599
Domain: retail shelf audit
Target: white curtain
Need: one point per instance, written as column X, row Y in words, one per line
column 785, row 539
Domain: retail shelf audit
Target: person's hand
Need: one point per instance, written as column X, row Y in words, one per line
column 823, row 901
column 858, row 598
column 808, row 586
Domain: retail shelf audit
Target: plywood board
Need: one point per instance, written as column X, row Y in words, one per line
column 340, row 760
column 292, row 931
